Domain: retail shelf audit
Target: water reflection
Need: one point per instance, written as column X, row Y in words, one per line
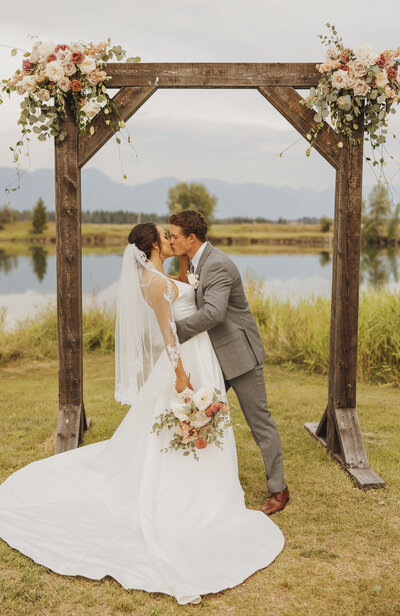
column 7, row 262
column 377, row 268
column 39, row 261
column 325, row 258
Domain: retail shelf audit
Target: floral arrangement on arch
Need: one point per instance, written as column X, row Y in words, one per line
column 54, row 77
column 355, row 82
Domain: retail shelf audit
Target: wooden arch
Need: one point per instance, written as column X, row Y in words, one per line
column 339, row 429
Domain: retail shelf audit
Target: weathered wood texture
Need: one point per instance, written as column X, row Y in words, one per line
column 128, row 101
column 72, row 420
column 213, row 74
column 288, row 102
column 339, row 428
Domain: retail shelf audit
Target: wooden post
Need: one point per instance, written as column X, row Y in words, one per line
column 72, row 419
column 339, row 430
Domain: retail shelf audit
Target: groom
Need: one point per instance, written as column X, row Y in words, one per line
column 223, row 311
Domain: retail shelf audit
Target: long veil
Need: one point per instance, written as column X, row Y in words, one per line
column 144, row 324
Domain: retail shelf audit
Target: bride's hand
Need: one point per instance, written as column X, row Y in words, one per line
column 182, row 381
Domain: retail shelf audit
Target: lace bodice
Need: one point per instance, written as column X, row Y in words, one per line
column 185, row 303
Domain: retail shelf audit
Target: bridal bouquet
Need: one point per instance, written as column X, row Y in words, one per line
column 198, row 419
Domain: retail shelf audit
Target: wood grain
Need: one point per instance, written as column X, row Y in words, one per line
column 128, row 101
column 69, row 289
column 213, row 74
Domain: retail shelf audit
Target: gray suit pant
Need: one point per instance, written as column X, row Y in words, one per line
column 252, row 396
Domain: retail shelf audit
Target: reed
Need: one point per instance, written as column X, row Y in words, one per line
column 294, row 334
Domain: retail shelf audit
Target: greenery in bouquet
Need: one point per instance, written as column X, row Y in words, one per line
column 355, row 83
column 197, row 419
column 53, row 78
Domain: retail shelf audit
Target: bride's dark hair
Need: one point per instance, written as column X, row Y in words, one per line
column 143, row 235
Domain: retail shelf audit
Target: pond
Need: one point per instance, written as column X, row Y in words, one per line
column 29, row 281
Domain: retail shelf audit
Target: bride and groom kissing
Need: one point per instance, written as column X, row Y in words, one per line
column 124, row 507
column 224, row 312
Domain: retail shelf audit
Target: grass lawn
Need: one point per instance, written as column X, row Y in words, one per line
column 341, row 555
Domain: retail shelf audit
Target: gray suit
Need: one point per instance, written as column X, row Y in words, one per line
column 224, row 312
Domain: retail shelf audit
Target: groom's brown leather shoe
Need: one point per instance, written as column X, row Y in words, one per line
column 276, row 501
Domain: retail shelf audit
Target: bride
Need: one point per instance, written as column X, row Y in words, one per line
column 154, row 521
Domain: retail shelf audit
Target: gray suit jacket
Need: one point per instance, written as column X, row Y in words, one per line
column 223, row 311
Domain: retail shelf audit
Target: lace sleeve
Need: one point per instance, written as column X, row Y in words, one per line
column 158, row 292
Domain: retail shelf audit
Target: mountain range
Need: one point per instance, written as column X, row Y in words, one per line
column 99, row 192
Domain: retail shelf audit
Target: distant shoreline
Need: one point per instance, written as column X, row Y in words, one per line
column 254, row 234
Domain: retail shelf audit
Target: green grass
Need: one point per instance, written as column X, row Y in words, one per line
column 342, row 544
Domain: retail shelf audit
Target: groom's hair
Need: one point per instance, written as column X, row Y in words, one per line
column 190, row 221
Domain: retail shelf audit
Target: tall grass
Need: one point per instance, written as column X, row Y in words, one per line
column 298, row 333
column 294, row 334
column 37, row 338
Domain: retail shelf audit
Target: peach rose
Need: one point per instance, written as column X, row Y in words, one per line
column 381, row 79
column 76, row 85
column 78, row 57
column 392, row 73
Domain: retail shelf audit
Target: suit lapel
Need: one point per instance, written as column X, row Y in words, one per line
column 203, row 257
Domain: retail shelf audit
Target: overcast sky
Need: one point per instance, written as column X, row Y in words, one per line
column 233, row 135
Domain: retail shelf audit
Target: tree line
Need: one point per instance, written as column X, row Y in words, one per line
column 380, row 216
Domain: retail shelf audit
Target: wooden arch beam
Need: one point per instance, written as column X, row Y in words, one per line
column 288, row 102
column 128, row 100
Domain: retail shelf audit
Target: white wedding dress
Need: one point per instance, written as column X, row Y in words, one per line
column 159, row 522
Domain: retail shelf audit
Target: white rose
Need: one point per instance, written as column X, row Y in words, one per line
column 193, row 280
column 45, row 49
column 64, row 84
column 88, row 65
column 178, row 411
column 69, row 69
column 381, row 79
column 332, row 53
column 43, row 95
column 203, row 398
column 90, row 109
column 34, row 57
column 76, row 47
column 64, row 56
column 186, row 396
column 366, row 54
column 360, row 87
column 357, row 68
column 54, row 71
column 28, row 83
column 340, row 80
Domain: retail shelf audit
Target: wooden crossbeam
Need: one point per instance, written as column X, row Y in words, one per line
column 128, row 101
column 288, row 102
column 213, row 74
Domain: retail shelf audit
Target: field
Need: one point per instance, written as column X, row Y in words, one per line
column 342, row 545
column 116, row 235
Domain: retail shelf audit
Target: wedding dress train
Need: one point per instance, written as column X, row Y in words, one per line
column 159, row 522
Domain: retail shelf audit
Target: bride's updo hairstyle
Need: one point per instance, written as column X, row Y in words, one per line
column 143, row 235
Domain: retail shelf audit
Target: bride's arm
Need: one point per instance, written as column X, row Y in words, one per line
column 159, row 295
column 183, row 269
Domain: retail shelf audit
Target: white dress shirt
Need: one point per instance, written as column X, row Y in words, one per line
column 196, row 258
